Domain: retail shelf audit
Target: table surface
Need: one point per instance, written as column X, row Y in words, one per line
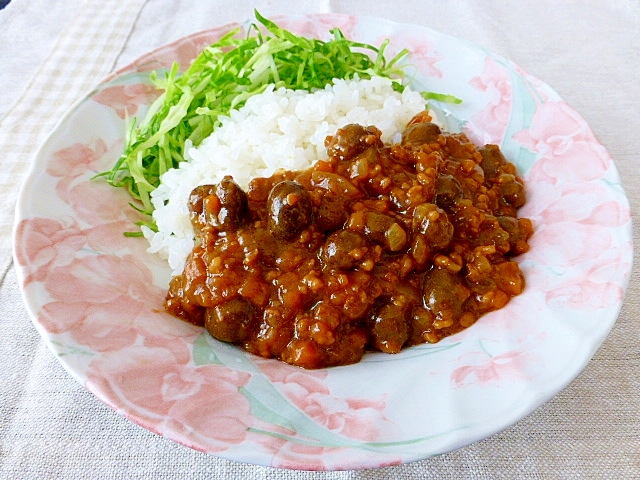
column 52, row 52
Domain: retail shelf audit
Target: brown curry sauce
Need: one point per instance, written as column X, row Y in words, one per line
column 378, row 247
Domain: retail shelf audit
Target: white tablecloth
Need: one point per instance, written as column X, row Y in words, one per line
column 53, row 51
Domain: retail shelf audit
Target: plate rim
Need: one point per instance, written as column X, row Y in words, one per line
column 37, row 160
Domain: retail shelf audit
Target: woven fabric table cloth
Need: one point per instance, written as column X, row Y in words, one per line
column 54, row 52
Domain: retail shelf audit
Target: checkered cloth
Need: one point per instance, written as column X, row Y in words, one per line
column 85, row 52
column 51, row 427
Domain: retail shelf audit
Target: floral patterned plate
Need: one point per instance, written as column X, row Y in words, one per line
column 96, row 296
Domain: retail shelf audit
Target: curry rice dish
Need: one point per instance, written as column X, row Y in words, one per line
column 377, row 247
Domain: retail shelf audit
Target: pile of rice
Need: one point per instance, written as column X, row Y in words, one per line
column 276, row 129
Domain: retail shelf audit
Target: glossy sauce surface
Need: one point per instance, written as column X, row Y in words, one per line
column 377, row 247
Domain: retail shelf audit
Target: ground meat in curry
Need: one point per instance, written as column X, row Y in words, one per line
column 377, row 247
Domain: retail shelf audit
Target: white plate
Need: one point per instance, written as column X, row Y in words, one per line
column 96, row 297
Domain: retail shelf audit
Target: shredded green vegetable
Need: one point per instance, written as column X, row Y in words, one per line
column 222, row 78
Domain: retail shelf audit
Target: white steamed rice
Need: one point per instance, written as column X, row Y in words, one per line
column 276, row 129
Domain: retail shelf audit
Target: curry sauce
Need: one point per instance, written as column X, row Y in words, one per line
column 376, row 247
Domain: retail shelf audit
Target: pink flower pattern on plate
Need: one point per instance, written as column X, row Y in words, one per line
column 356, row 418
column 521, row 362
column 422, row 52
column 318, row 27
column 125, row 100
column 201, row 406
column 571, row 208
column 568, row 150
column 351, row 417
column 46, row 243
column 93, row 202
column 91, row 291
column 482, row 368
column 494, row 118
